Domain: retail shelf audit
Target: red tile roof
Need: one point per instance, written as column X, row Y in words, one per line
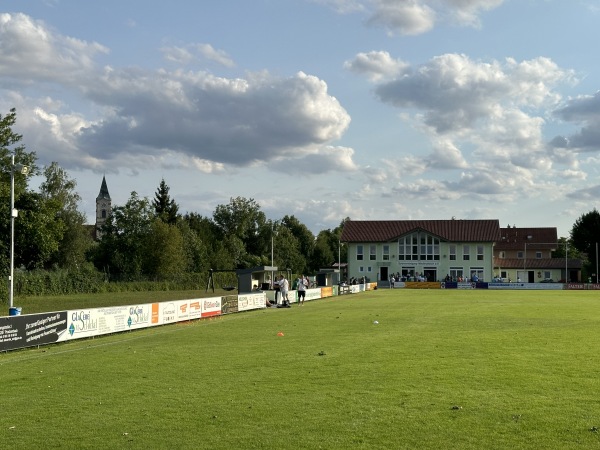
column 535, row 263
column 536, row 239
column 448, row 230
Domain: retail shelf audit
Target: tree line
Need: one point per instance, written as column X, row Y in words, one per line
column 144, row 239
column 149, row 239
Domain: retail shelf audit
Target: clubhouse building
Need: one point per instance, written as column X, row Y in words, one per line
column 439, row 250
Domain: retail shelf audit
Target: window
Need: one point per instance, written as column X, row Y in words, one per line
column 369, row 269
column 466, row 250
column 538, row 255
column 361, row 269
column 547, row 275
column 503, row 275
column 480, row 253
column 477, row 271
column 502, row 255
column 418, row 246
column 456, row 273
column 386, row 252
column 372, row 253
column 359, row 252
column 104, row 214
column 452, row 251
column 520, row 255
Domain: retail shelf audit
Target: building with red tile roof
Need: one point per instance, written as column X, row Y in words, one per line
column 435, row 250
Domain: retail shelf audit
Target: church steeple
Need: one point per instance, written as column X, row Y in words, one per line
column 103, row 207
column 103, row 191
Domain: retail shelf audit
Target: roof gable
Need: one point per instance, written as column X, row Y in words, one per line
column 449, row 230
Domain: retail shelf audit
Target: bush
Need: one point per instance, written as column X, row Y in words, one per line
column 87, row 280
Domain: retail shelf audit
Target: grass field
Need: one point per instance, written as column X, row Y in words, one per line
column 440, row 370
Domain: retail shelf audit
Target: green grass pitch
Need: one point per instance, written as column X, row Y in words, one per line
column 386, row 369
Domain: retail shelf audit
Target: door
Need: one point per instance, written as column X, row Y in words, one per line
column 383, row 273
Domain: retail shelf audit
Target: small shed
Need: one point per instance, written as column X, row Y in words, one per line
column 255, row 278
column 328, row 277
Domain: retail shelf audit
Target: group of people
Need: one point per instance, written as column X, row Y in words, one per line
column 408, row 277
column 281, row 285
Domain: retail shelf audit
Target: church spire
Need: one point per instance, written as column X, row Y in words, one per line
column 103, row 208
column 103, row 195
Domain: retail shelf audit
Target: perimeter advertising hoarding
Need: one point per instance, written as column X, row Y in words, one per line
column 247, row 302
column 582, row 286
column 84, row 323
column 313, row 294
column 537, row 286
column 32, row 329
column 211, row 306
column 326, row 292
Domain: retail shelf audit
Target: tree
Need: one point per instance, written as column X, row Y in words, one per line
column 287, row 252
column 10, row 145
column 328, row 247
column 323, row 255
column 208, row 250
column 58, row 190
column 584, row 237
column 305, row 238
column 164, row 253
column 37, row 232
column 244, row 230
column 165, row 208
column 121, row 250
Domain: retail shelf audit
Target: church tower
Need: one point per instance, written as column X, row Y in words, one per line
column 103, row 207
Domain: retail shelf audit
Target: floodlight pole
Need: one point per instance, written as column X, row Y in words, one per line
column 12, row 232
column 13, row 214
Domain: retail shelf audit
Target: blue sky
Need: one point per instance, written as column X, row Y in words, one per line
column 322, row 109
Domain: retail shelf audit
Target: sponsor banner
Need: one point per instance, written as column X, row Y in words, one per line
column 313, row 294
column 167, row 312
column 247, row 302
column 82, row 323
column 465, row 285
column 422, row 285
column 399, row 284
column 32, row 329
column 140, row 316
column 211, row 306
column 582, row 286
column 182, row 310
column 196, row 308
column 526, row 286
column 93, row 322
column 326, row 292
column 355, row 289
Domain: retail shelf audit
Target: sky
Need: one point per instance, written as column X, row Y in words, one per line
column 320, row 109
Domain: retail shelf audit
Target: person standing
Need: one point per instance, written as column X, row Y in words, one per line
column 284, row 286
column 301, row 289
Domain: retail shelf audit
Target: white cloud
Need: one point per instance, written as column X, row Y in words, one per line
column 413, row 17
column 408, row 17
column 200, row 120
column 237, row 122
column 584, row 111
column 192, row 52
column 376, row 65
column 31, row 52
